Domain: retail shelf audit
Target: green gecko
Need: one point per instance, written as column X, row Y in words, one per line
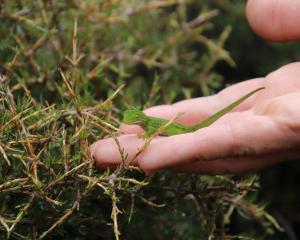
column 151, row 124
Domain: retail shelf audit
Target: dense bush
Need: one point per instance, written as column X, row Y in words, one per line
column 68, row 70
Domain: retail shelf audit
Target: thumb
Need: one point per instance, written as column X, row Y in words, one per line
column 275, row 20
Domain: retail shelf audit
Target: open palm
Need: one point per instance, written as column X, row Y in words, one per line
column 263, row 130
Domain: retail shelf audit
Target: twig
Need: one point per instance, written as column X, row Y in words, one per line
column 20, row 215
column 67, row 174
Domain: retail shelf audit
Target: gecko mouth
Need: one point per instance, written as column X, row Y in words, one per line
column 137, row 122
column 132, row 122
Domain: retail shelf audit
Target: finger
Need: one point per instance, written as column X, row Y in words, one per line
column 237, row 165
column 107, row 152
column 239, row 134
column 199, row 108
column 276, row 20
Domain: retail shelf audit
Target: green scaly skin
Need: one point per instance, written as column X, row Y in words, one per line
column 152, row 124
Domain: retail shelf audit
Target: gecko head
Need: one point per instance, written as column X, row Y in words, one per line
column 133, row 116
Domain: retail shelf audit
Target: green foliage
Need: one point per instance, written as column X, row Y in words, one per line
column 64, row 65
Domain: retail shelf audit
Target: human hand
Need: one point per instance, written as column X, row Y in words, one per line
column 262, row 131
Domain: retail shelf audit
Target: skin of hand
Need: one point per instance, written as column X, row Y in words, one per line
column 262, row 131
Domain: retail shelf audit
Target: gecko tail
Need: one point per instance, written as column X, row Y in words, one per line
column 208, row 121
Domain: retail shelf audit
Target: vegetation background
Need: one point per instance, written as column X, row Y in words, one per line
column 63, row 67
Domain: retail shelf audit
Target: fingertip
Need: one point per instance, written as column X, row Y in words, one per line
column 275, row 20
column 108, row 152
column 104, row 152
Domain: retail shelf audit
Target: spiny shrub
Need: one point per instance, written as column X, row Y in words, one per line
column 68, row 70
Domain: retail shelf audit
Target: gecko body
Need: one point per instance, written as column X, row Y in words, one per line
column 152, row 124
